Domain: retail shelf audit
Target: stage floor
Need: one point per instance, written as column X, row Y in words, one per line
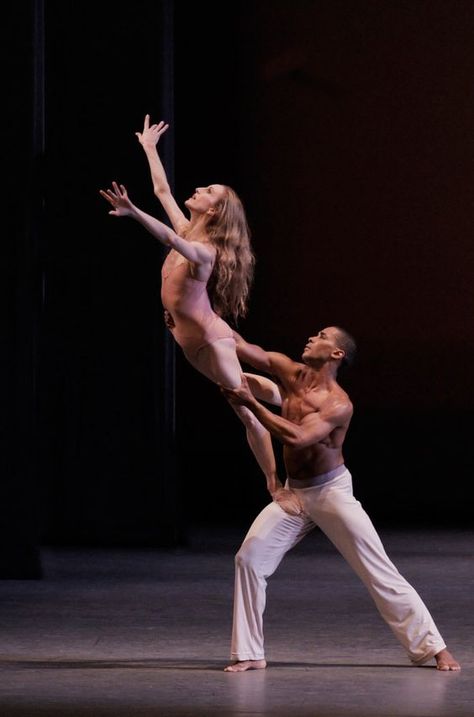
column 142, row 633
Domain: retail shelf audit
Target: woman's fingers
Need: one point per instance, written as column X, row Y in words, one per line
column 110, row 198
column 119, row 192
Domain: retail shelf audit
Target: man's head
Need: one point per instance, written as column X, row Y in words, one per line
column 330, row 345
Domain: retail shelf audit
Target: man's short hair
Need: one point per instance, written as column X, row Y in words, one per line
column 348, row 345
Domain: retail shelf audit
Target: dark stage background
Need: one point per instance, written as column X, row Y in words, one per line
column 346, row 127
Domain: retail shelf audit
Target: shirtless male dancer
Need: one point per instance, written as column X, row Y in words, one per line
column 315, row 416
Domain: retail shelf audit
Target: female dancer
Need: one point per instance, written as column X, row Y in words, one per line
column 210, row 257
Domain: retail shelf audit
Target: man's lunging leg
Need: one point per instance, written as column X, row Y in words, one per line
column 272, row 534
column 349, row 527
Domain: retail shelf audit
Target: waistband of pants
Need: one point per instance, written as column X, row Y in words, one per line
column 318, row 480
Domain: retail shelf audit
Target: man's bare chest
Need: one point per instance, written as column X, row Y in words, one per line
column 300, row 404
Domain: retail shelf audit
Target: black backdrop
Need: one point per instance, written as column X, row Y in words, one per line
column 346, row 129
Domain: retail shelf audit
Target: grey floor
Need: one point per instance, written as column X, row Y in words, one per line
column 146, row 632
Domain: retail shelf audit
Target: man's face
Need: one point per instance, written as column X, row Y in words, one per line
column 321, row 348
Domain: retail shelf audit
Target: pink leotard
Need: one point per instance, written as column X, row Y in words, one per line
column 187, row 300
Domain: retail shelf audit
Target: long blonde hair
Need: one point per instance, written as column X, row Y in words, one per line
column 232, row 276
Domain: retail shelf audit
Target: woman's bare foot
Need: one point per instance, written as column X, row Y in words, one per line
column 288, row 501
column 243, row 665
column 445, row 661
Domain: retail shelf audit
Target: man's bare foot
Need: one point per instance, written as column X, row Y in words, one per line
column 445, row 661
column 244, row 665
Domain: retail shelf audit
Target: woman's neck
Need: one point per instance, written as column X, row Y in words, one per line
column 197, row 230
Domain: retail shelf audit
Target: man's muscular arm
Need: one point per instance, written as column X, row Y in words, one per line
column 252, row 354
column 268, row 361
column 264, row 389
column 313, row 428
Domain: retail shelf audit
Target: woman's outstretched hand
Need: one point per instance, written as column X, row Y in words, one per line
column 118, row 198
column 149, row 137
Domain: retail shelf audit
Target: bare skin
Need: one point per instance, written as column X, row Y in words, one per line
column 311, row 446
column 446, row 662
column 193, row 256
column 217, row 360
column 268, row 391
column 316, row 413
column 287, row 500
column 244, row 665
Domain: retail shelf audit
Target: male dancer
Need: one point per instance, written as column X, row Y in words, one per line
column 314, row 420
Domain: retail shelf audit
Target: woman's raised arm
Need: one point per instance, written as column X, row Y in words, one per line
column 196, row 252
column 149, row 138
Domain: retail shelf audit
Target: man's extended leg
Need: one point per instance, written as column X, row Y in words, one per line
column 271, row 535
column 334, row 508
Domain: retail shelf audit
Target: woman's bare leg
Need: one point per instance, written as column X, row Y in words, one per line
column 260, row 442
column 219, row 362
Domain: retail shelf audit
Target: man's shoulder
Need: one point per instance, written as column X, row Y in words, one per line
column 283, row 364
column 341, row 401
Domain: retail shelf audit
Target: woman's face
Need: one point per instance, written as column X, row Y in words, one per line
column 205, row 199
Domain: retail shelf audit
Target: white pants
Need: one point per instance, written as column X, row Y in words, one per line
column 340, row 516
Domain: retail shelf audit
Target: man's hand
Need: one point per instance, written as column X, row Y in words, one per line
column 169, row 321
column 288, row 501
column 150, row 135
column 241, row 396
